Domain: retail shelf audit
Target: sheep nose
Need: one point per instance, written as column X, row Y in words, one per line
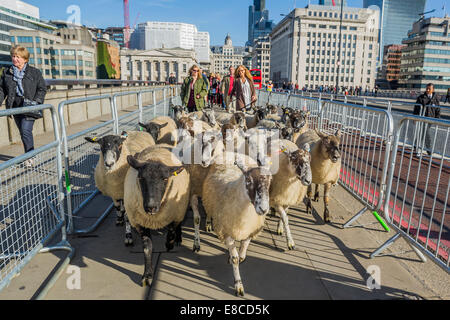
column 150, row 209
column 109, row 164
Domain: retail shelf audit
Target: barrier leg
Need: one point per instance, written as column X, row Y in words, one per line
column 385, row 246
column 356, row 217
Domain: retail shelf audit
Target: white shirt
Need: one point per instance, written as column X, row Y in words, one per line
column 247, row 92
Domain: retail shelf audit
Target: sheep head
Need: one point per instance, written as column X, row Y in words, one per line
column 272, row 109
column 257, row 184
column 153, row 180
column 330, row 145
column 239, row 119
column 301, row 162
column 210, row 116
column 153, row 128
column 209, row 143
column 111, row 148
column 260, row 114
column 179, row 112
column 298, row 119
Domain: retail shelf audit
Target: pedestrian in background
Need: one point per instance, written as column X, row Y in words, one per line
column 427, row 104
column 193, row 90
column 244, row 89
column 447, row 98
column 23, row 85
column 226, row 88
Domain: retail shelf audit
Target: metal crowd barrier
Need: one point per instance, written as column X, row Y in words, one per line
column 32, row 210
column 80, row 159
column 365, row 146
column 418, row 188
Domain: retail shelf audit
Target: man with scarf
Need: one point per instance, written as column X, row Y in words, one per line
column 22, row 85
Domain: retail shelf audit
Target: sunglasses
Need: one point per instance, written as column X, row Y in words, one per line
column 195, row 70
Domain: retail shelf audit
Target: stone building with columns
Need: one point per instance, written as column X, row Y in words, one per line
column 156, row 64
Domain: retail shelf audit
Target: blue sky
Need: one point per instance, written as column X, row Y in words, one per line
column 215, row 16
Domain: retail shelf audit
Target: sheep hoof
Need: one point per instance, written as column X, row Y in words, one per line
column 196, row 248
column 128, row 240
column 326, row 216
column 119, row 221
column 146, row 281
column 239, row 288
column 316, row 197
column 291, row 246
column 208, row 228
column 280, row 232
column 241, row 259
column 169, row 246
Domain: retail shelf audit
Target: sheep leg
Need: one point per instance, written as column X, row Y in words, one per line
column 284, row 218
column 171, row 235
column 243, row 250
column 280, row 227
column 308, row 200
column 208, row 224
column 118, row 205
column 234, row 260
column 146, row 237
column 326, row 199
column 178, row 235
column 128, row 234
column 194, row 205
column 316, row 194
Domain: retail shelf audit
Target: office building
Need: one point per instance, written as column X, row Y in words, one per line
column 155, row 35
column 305, row 47
column 225, row 56
column 426, row 57
column 55, row 56
column 397, row 17
column 18, row 15
column 389, row 73
column 116, row 34
column 259, row 24
column 332, row 3
column 156, row 64
column 261, row 57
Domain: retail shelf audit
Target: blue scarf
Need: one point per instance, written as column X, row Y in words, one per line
column 18, row 76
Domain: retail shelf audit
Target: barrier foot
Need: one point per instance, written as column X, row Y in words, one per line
column 63, row 245
column 348, row 224
column 418, row 252
column 385, row 245
column 96, row 224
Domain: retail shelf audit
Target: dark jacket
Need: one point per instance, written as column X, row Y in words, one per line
column 429, row 105
column 33, row 85
column 239, row 94
column 172, row 80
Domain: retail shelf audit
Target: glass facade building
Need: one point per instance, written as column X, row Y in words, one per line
column 259, row 24
column 397, row 18
column 330, row 2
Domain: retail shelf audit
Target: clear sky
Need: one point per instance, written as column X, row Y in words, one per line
column 215, row 16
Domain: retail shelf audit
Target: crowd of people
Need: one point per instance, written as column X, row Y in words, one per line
column 234, row 92
column 294, row 88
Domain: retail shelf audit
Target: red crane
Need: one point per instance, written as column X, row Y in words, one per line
column 126, row 31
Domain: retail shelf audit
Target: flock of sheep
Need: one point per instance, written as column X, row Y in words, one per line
column 240, row 165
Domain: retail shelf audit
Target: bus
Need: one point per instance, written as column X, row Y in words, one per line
column 256, row 74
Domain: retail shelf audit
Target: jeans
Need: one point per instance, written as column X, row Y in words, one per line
column 25, row 127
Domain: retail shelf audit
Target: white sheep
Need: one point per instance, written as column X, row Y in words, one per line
column 237, row 201
column 112, row 166
column 156, row 195
column 325, row 164
column 291, row 178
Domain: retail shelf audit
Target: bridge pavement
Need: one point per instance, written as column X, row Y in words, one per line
column 328, row 262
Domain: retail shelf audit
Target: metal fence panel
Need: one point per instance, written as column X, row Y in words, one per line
column 419, row 184
column 31, row 205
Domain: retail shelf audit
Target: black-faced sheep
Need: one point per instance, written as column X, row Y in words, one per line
column 163, row 130
column 112, row 168
column 156, row 196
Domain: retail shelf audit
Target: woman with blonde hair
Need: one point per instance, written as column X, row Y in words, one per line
column 23, row 86
column 193, row 90
column 243, row 89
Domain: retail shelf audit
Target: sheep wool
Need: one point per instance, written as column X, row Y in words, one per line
column 174, row 202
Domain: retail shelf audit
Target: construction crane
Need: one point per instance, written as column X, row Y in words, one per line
column 422, row 15
column 126, row 30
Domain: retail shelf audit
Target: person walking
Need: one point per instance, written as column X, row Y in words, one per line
column 227, row 87
column 447, row 98
column 23, row 85
column 193, row 90
column 244, row 89
column 427, row 105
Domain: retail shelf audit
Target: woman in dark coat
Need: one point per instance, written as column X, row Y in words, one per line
column 243, row 89
column 22, row 85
